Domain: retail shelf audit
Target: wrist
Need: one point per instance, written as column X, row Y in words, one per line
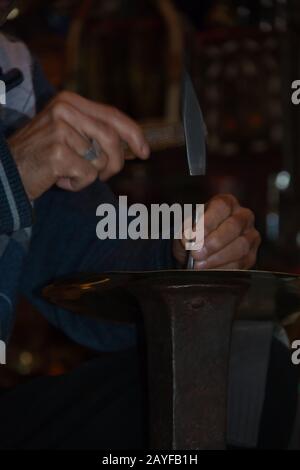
column 19, row 163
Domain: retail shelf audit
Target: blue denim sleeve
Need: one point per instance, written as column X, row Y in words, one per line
column 64, row 242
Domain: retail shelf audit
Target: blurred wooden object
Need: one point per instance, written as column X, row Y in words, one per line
column 73, row 44
column 174, row 57
column 98, row 33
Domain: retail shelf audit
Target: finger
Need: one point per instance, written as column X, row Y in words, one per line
column 71, row 171
column 218, row 210
column 128, row 130
column 235, row 252
column 230, row 267
column 226, row 233
column 247, row 263
column 130, row 156
column 111, row 160
column 62, row 132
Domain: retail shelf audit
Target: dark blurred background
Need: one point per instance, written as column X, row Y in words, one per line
column 242, row 55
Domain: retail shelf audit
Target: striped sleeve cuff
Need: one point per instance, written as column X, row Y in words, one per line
column 15, row 208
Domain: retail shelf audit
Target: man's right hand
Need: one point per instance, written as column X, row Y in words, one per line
column 50, row 149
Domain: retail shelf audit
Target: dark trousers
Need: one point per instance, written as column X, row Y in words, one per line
column 98, row 406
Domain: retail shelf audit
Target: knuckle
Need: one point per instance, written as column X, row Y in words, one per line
column 64, row 95
column 214, row 245
column 55, row 160
column 57, row 152
column 58, row 109
column 234, row 225
column 228, row 199
column 222, row 204
column 232, row 200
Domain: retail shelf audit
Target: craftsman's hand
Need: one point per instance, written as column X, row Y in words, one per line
column 230, row 238
column 50, row 149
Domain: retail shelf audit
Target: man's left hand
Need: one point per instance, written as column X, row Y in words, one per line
column 230, row 238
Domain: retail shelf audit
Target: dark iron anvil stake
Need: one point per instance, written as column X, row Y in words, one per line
column 188, row 319
column 188, row 340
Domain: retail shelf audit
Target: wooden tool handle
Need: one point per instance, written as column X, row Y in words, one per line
column 161, row 136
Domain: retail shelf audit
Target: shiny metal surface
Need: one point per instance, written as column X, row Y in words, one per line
column 194, row 129
column 266, row 294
